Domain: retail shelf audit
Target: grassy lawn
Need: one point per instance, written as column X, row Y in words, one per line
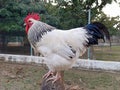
column 28, row 77
column 107, row 53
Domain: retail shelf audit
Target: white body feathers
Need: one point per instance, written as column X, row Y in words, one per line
column 61, row 48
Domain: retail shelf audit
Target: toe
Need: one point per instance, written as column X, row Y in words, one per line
column 48, row 74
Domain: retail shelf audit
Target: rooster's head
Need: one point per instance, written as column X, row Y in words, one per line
column 28, row 22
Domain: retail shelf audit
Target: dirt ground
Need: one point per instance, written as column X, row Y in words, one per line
column 28, row 77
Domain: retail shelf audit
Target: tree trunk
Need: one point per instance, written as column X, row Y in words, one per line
column 3, row 48
column 48, row 85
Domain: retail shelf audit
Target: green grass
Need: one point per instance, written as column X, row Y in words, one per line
column 29, row 77
column 107, row 53
column 94, row 80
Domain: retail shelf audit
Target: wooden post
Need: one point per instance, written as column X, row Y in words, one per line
column 48, row 85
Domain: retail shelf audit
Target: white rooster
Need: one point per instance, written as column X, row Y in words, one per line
column 61, row 48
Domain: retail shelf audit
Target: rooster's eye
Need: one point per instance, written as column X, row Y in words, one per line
column 29, row 21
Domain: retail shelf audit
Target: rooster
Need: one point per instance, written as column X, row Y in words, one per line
column 61, row 48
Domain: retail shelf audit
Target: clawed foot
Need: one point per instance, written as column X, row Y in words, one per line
column 55, row 78
column 48, row 74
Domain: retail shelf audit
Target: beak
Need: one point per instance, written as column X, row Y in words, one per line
column 24, row 24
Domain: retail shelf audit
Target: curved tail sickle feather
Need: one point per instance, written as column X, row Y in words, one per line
column 97, row 30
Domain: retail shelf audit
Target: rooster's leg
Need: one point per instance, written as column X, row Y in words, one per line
column 56, row 77
column 48, row 74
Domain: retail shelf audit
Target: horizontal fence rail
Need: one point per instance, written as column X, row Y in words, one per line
column 80, row 64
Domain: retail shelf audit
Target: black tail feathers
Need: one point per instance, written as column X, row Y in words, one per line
column 97, row 30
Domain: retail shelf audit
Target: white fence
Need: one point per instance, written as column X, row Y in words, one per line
column 80, row 64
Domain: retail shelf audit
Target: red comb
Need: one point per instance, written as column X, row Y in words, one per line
column 32, row 15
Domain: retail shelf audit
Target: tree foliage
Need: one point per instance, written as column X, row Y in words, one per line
column 13, row 12
column 112, row 23
column 65, row 15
